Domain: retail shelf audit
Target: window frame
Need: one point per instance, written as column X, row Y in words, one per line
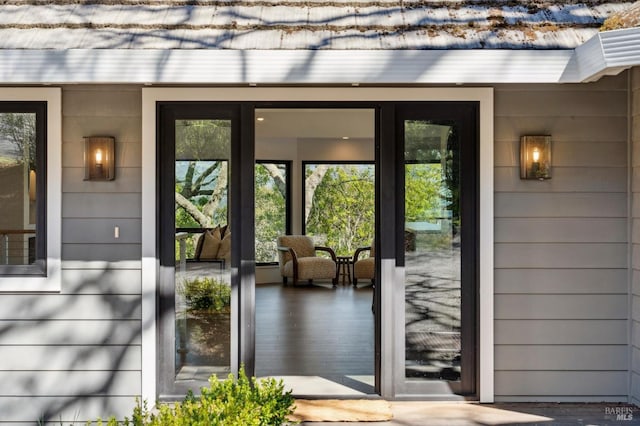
column 45, row 275
column 287, row 201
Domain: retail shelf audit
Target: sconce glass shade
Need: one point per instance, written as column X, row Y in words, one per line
column 535, row 157
column 99, row 158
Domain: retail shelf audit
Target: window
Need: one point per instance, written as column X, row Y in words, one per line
column 30, row 208
column 339, row 204
column 272, row 207
column 22, row 166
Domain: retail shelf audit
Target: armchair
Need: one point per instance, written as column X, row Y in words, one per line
column 364, row 268
column 298, row 260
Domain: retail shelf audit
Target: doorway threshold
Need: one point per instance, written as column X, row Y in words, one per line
column 328, row 387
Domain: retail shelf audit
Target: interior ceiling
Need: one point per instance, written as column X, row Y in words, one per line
column 315, row 123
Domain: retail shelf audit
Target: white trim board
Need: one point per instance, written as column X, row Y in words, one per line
column 201, row 66
column 606, row 53
column 149, row 265
column 52, row 281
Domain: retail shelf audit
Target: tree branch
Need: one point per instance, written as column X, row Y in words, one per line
column 218, row 191
column 311, row 183
column 193, row 211
column 278, row 178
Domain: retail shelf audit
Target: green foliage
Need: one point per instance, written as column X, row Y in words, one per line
column 436, row 145
column 343, row 208
column 231, row 402
column 190, row 245
column 203, row 139
column 20, row 130
column 202, row 153
column 270, row 215
column 206, row 294
column 203, row 185
column 423, row 192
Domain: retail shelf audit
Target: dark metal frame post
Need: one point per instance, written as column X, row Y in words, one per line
column 243, row 225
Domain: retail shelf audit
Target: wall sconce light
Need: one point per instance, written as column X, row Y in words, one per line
column 99, row 158
column 535, row 157
column 32, row 185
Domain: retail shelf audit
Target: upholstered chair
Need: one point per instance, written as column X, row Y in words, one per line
column 299, row 261
column 365, row 267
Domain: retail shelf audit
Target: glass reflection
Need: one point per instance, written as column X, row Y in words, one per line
column 432, row 251
column 202, row 249
column 18, row 174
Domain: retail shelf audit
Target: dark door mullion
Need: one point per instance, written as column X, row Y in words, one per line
column 243, row 225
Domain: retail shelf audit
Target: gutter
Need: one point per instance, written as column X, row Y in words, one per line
column 606, row 53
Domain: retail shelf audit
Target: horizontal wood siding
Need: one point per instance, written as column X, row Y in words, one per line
column 561, row 246
column 635, row 236
column 64, row 409
column 76, row 355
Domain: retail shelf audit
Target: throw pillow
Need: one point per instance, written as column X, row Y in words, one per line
column 210, row 244
column 225, row 247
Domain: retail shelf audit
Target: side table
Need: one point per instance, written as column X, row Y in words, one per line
column 344, row 268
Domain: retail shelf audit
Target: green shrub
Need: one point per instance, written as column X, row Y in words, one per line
column 205, row 293
column 231, row 402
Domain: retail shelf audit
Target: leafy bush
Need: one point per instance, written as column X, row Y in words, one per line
column 206, row 293
column 231, row 402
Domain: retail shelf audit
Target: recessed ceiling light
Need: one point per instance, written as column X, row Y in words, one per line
column 260, row 118
column 345, row 138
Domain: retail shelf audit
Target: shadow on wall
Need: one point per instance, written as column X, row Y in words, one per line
column 75, row 355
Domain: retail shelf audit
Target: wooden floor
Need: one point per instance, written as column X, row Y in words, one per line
column 318, row 331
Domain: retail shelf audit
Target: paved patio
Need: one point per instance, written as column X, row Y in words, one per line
column 459, row 414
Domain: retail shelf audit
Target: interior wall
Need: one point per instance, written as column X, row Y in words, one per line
column 635, row 237
column 561, row 246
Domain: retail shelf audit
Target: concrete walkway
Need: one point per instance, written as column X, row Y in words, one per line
column 459, row 414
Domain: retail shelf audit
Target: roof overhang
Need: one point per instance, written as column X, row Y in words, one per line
column 605, row 54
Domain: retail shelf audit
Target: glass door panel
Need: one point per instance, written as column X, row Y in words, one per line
column 202, row 249
column 432, row 250
column 439, row 247
column 197, row 286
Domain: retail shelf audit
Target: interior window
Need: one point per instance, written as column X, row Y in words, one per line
column 347, row 190
column 272, row 208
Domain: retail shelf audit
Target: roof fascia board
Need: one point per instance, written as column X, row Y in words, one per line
column 198, row 66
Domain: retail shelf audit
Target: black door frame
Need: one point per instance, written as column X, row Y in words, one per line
column 167, row 113
column 467, row 114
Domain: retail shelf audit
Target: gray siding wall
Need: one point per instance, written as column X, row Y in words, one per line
column 561, row 259
column 76, row 355
column 635, row 236
column 561, row 246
